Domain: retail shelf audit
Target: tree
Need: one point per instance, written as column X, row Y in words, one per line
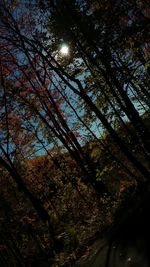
column 93, row 55
column 78, row 32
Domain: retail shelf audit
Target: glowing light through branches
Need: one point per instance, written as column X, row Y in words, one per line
column 64, row 50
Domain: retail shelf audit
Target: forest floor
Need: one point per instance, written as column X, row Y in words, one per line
column 104, row 254
column 126, row 243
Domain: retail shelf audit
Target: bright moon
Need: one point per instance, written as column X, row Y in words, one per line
column 64, row 50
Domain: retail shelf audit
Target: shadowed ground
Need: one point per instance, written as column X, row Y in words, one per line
column 126, row 244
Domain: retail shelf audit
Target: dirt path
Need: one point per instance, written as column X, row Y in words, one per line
column 127, row 244
column 117, row 254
